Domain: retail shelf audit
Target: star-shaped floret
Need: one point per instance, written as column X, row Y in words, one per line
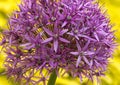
column 81, row 54
column 77, row 33
column 55, row 37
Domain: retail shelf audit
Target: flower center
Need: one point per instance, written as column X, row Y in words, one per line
column 75, row 31
column 17, row 55
column 19, row 40
column 40, row 25
column 28, row 28
column 38, row 62
column 62, row 46
column 60, row 10
column 36, row 17
column 69, row 17
column 30, row 50
column 38, row 45
column 53, row 19
column 81, row 53
column 56, row 36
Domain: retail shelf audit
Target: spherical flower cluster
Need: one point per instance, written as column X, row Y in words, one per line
column 51, row 35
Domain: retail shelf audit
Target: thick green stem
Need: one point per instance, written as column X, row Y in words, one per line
column 52, row 78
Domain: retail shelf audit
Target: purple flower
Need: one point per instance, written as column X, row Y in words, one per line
column 82, row 54
column 56, row 37
column 48, row 35
column 77, row 32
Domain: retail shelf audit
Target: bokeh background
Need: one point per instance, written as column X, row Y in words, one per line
column 112, row 74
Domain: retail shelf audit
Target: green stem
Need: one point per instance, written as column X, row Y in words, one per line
column 52, row 78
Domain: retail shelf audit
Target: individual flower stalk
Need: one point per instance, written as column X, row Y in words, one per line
column 45, row 36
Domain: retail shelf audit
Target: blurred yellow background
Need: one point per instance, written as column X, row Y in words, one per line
column 112, row 74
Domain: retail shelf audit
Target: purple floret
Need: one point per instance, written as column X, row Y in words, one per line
column 48, row 35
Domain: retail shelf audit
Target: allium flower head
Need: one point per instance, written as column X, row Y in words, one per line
column 47, row 35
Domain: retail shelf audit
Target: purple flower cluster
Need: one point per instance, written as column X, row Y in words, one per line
column 48, row 35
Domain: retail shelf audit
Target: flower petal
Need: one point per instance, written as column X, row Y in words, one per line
column 55, row 45
column 74, row 53
column 76, row 1
column 86, row 60
column 86, row 45
column 89, row 53
column 70, row 33
column 103, row 24
column 66, row 6
column 78, row 61
column 29, row 4
column 76, row 37
column 78, row 46
column 64, row 23
column 63, row 31
column 48, row 31
column 91, row 63
column 96, row 36
column 64, row 40
column 80, row 6
column 47, row 40
column 10, row 40
column 80, row 35
column 102, row 32
column 84, row 29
